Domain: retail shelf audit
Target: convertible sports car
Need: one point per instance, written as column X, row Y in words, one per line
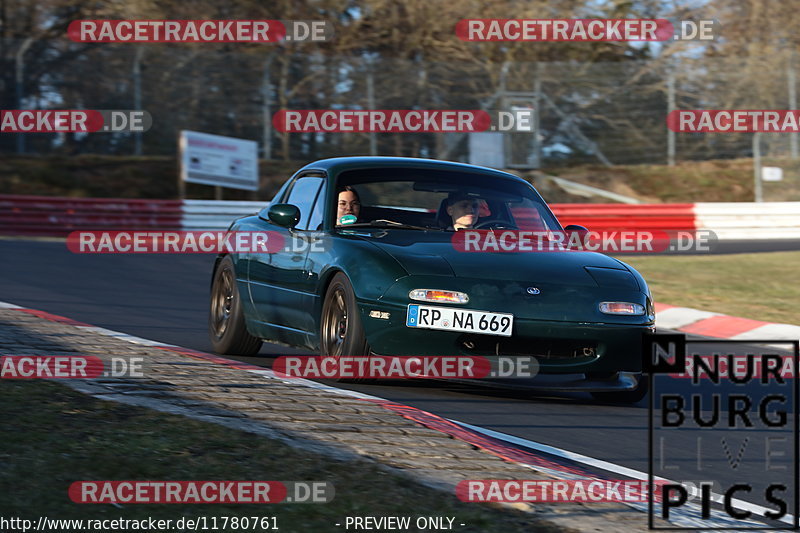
column 385, row 278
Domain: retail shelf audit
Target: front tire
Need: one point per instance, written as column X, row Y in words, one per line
column 341, row 331
column 226, row 327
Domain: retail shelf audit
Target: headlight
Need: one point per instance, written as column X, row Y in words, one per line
column 432, row 295
column 621, row 308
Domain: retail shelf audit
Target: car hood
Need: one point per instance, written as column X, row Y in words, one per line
column 433, row 253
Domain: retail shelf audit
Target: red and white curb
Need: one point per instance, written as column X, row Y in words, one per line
column 513, row 449
column 708, row 324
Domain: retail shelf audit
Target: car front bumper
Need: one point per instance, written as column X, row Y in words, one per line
column 622, row 381
column 559, row 347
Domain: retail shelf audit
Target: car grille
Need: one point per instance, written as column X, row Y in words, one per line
column 548, row 349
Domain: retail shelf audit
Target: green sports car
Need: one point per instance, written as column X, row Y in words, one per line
column 375, row 266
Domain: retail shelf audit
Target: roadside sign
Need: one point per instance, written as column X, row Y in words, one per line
column 771, row 173
column 217, row 160
column 486, row 149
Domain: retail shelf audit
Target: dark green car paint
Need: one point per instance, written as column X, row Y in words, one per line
column 283, row 292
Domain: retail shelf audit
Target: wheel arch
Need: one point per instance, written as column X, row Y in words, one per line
column 217, row 261
column 325, row 280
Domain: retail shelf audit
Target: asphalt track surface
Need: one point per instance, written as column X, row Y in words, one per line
column 165, row 298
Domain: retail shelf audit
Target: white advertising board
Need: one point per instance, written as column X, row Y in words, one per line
column 217, row 160
column 771, row 173
column 486, row 149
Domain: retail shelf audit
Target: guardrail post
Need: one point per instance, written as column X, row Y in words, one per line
column 759, row 194
column 792, row 80
column 137, row 95
column 19, row 78
column 373, row 137
column 670, row 108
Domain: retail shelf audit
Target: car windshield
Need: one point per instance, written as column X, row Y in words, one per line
column 438, row 200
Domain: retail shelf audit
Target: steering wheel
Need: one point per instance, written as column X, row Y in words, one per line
column 494, row 223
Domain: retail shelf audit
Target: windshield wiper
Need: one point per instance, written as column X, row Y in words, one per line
column 382, row 223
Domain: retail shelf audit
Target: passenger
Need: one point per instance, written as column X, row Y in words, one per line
column 348, row 204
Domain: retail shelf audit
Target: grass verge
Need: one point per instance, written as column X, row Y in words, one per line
column 720, row 180
column 105, row 176
column 761, row 286
column 53, row 436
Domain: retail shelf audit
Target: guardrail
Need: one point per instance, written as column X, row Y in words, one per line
column 55, row 216
column 627, row 217
column 215, row 214
column 743, row 221
column 42, row 215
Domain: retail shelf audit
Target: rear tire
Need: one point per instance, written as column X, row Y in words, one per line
column 226, row 327
column 626, row 396
column 341, row 331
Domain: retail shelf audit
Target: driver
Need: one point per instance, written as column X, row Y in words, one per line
column 463, row 210
column 348, row 203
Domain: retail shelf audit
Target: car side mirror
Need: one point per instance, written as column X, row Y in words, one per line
column 578, row 234
column 284, row 215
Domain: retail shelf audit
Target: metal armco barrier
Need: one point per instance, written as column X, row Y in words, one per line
column 756, row 221
column 626, row 217
column 216, row 214
column 55, row 216
column 42, row 215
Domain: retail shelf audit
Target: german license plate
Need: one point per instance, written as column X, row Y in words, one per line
column 450, row 319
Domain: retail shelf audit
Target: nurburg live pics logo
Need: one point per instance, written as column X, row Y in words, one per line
column 733, row 436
